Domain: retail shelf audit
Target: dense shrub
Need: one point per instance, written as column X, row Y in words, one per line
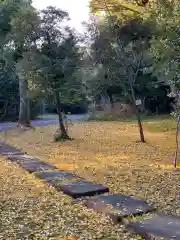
column 73, row 108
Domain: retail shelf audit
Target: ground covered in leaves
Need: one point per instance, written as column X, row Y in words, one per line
column 104, row 152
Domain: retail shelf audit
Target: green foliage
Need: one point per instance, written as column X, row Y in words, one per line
column 9, row 11
column 122, row 60
column 43, row 51
column 128, row 46
column 166, row 45
column 165, row 125
column 9, row 96
column 52, row 65
column 18, row 33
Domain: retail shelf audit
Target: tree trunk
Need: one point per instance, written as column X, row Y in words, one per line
column 64, row 134
column 177, row 143
column 140, row 125
column 92, row 109
column 143, row 105
column 138, row 115
column 24, row 113
column 111, row 99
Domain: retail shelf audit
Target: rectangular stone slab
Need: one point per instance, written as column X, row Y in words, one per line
column 118, row 206
column 79, row 188
column 56, row 175
column 160, row 226
column 6, row 150
column 35, row 166
column 22, row 158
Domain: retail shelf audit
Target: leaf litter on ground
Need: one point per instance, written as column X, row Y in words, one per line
column 108, row 153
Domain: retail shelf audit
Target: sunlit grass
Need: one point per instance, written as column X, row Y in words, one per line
column 159, row 123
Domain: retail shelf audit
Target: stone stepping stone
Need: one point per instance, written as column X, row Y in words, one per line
column 31, row 164
column 118, row 206
column 79, row 188
column 158, row 227
column 35, row 166
column 7, row 150
column 60, row 175
column 22, row 158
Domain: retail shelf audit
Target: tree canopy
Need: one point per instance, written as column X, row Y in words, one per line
column 129, row 52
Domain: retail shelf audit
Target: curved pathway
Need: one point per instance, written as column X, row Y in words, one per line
column 5, row 126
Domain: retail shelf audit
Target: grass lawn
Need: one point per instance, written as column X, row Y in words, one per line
column 103, row 152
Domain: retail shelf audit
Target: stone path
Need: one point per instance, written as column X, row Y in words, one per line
column 8, row 150
column 116, row 206
column 160, row 225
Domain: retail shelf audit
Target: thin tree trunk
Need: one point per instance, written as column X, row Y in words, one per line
column 137, row 115
column 92, row 109
column 64, row 134
column 24, row 112
column 143, row 104
column 140, row 126
column 177, row 143
column 110, row 99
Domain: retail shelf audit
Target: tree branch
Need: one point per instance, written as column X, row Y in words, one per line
column 116, row 7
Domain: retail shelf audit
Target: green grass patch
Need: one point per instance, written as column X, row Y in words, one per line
column 165, row 125
column 133, row 118
column 160, row 123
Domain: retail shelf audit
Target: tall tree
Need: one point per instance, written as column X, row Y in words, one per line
column 24, row 25
column 9, row 97
column 120, row 53
column 18, row 27
column 166, row 52
column 54, row 62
